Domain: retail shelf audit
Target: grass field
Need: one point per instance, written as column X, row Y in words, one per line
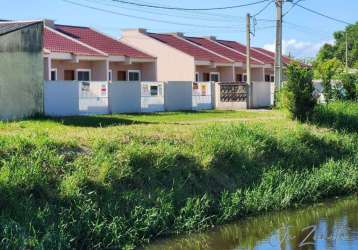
column 119, row 181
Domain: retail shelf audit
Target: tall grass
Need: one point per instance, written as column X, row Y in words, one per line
column 337, row 115
column 121, row 194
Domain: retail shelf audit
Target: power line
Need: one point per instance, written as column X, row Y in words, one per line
column 149, row 19
column 185, row 16
column 323, row 15
column 191, row 9
column 263, row 9
column 294, row 4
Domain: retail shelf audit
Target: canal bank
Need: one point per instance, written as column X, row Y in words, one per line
column 122, row 181
column 331, row 224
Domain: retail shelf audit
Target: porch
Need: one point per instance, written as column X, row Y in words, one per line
column 66, row 67
column 214, row 73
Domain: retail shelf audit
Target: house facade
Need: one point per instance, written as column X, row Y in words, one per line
column 200, row 58
column 84, row 54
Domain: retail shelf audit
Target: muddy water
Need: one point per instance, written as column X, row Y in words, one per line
column 331, row 224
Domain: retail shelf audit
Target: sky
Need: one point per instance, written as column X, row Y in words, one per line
column 303, row 32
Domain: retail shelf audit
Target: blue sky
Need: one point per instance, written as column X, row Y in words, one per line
column 303, row 33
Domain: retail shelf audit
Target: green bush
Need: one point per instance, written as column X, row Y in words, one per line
column 350, row 86
column 327, row 71
column 299, row 92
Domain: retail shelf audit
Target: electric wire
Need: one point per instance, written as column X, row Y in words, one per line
column 191, row 9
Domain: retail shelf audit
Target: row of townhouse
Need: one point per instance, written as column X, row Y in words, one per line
column 40, row 54
column 85, row 54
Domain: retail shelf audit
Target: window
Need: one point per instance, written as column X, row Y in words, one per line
column 245, row 77
column 83, row 75
column 53, row 75
column 197, row 79
column 272, row 78
column 122, row 76
column 206, row 77
column 154, row 90
column 133, row 75
column 69, row 75
column 239, row 77
column 215, row 76
column 110, row 75
column 267, row 78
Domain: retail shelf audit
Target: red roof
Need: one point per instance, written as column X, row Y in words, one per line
column 242, row 48
column 285, row 59
column 181, row 44
column 220, row 49
column 57, row 42
column 100, row 41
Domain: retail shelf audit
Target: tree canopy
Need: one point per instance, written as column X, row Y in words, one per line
column 338, row 49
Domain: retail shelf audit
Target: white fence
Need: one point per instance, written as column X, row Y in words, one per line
column 202, row 96
column 70, row 98
column 152, row 96
column 93, row 98
column 66, row 98
column 262, row 94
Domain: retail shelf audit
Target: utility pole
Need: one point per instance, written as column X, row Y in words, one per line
column 278, row 54
column 248, row 59
column 346, row 51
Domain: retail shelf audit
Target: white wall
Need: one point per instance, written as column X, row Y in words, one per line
column 261, row 94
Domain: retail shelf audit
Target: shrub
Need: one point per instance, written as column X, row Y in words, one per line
column 350, row 86
column 328, row 70
column 299, row 87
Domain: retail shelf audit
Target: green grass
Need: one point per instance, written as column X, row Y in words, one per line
column 120, row 181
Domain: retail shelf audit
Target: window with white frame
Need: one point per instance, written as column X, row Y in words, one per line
column 110, row 75
column 245, row 77
column 197, row 78
column 215, row 76
column 53, row 75
column 83, row 75
column 133, row 75
column 272, row 78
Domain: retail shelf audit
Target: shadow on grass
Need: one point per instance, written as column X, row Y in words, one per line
column 94, row 121
column 230, row 168
column 342, row 117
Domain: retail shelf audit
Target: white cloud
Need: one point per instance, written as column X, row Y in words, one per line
column 298, row 49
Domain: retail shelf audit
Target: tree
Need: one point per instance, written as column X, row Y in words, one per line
column 327, row 71
column 338, row 49
column 299, row 90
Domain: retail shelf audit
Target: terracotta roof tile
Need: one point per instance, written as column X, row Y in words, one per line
column 242, row 48
column 100, row 41
column 55, row 42
column 220, row 49
column 285, row 59
column 188, row 48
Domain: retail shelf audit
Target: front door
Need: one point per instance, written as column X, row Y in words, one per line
column 69, row 75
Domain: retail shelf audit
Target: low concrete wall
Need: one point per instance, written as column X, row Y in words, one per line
column 222, row 104
column 61, row 98
column 67, row 98
column 261, row 94
column 202, row 96
column 125, row 97
column 152, row 97
column 178, row 96
column 93, row 98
